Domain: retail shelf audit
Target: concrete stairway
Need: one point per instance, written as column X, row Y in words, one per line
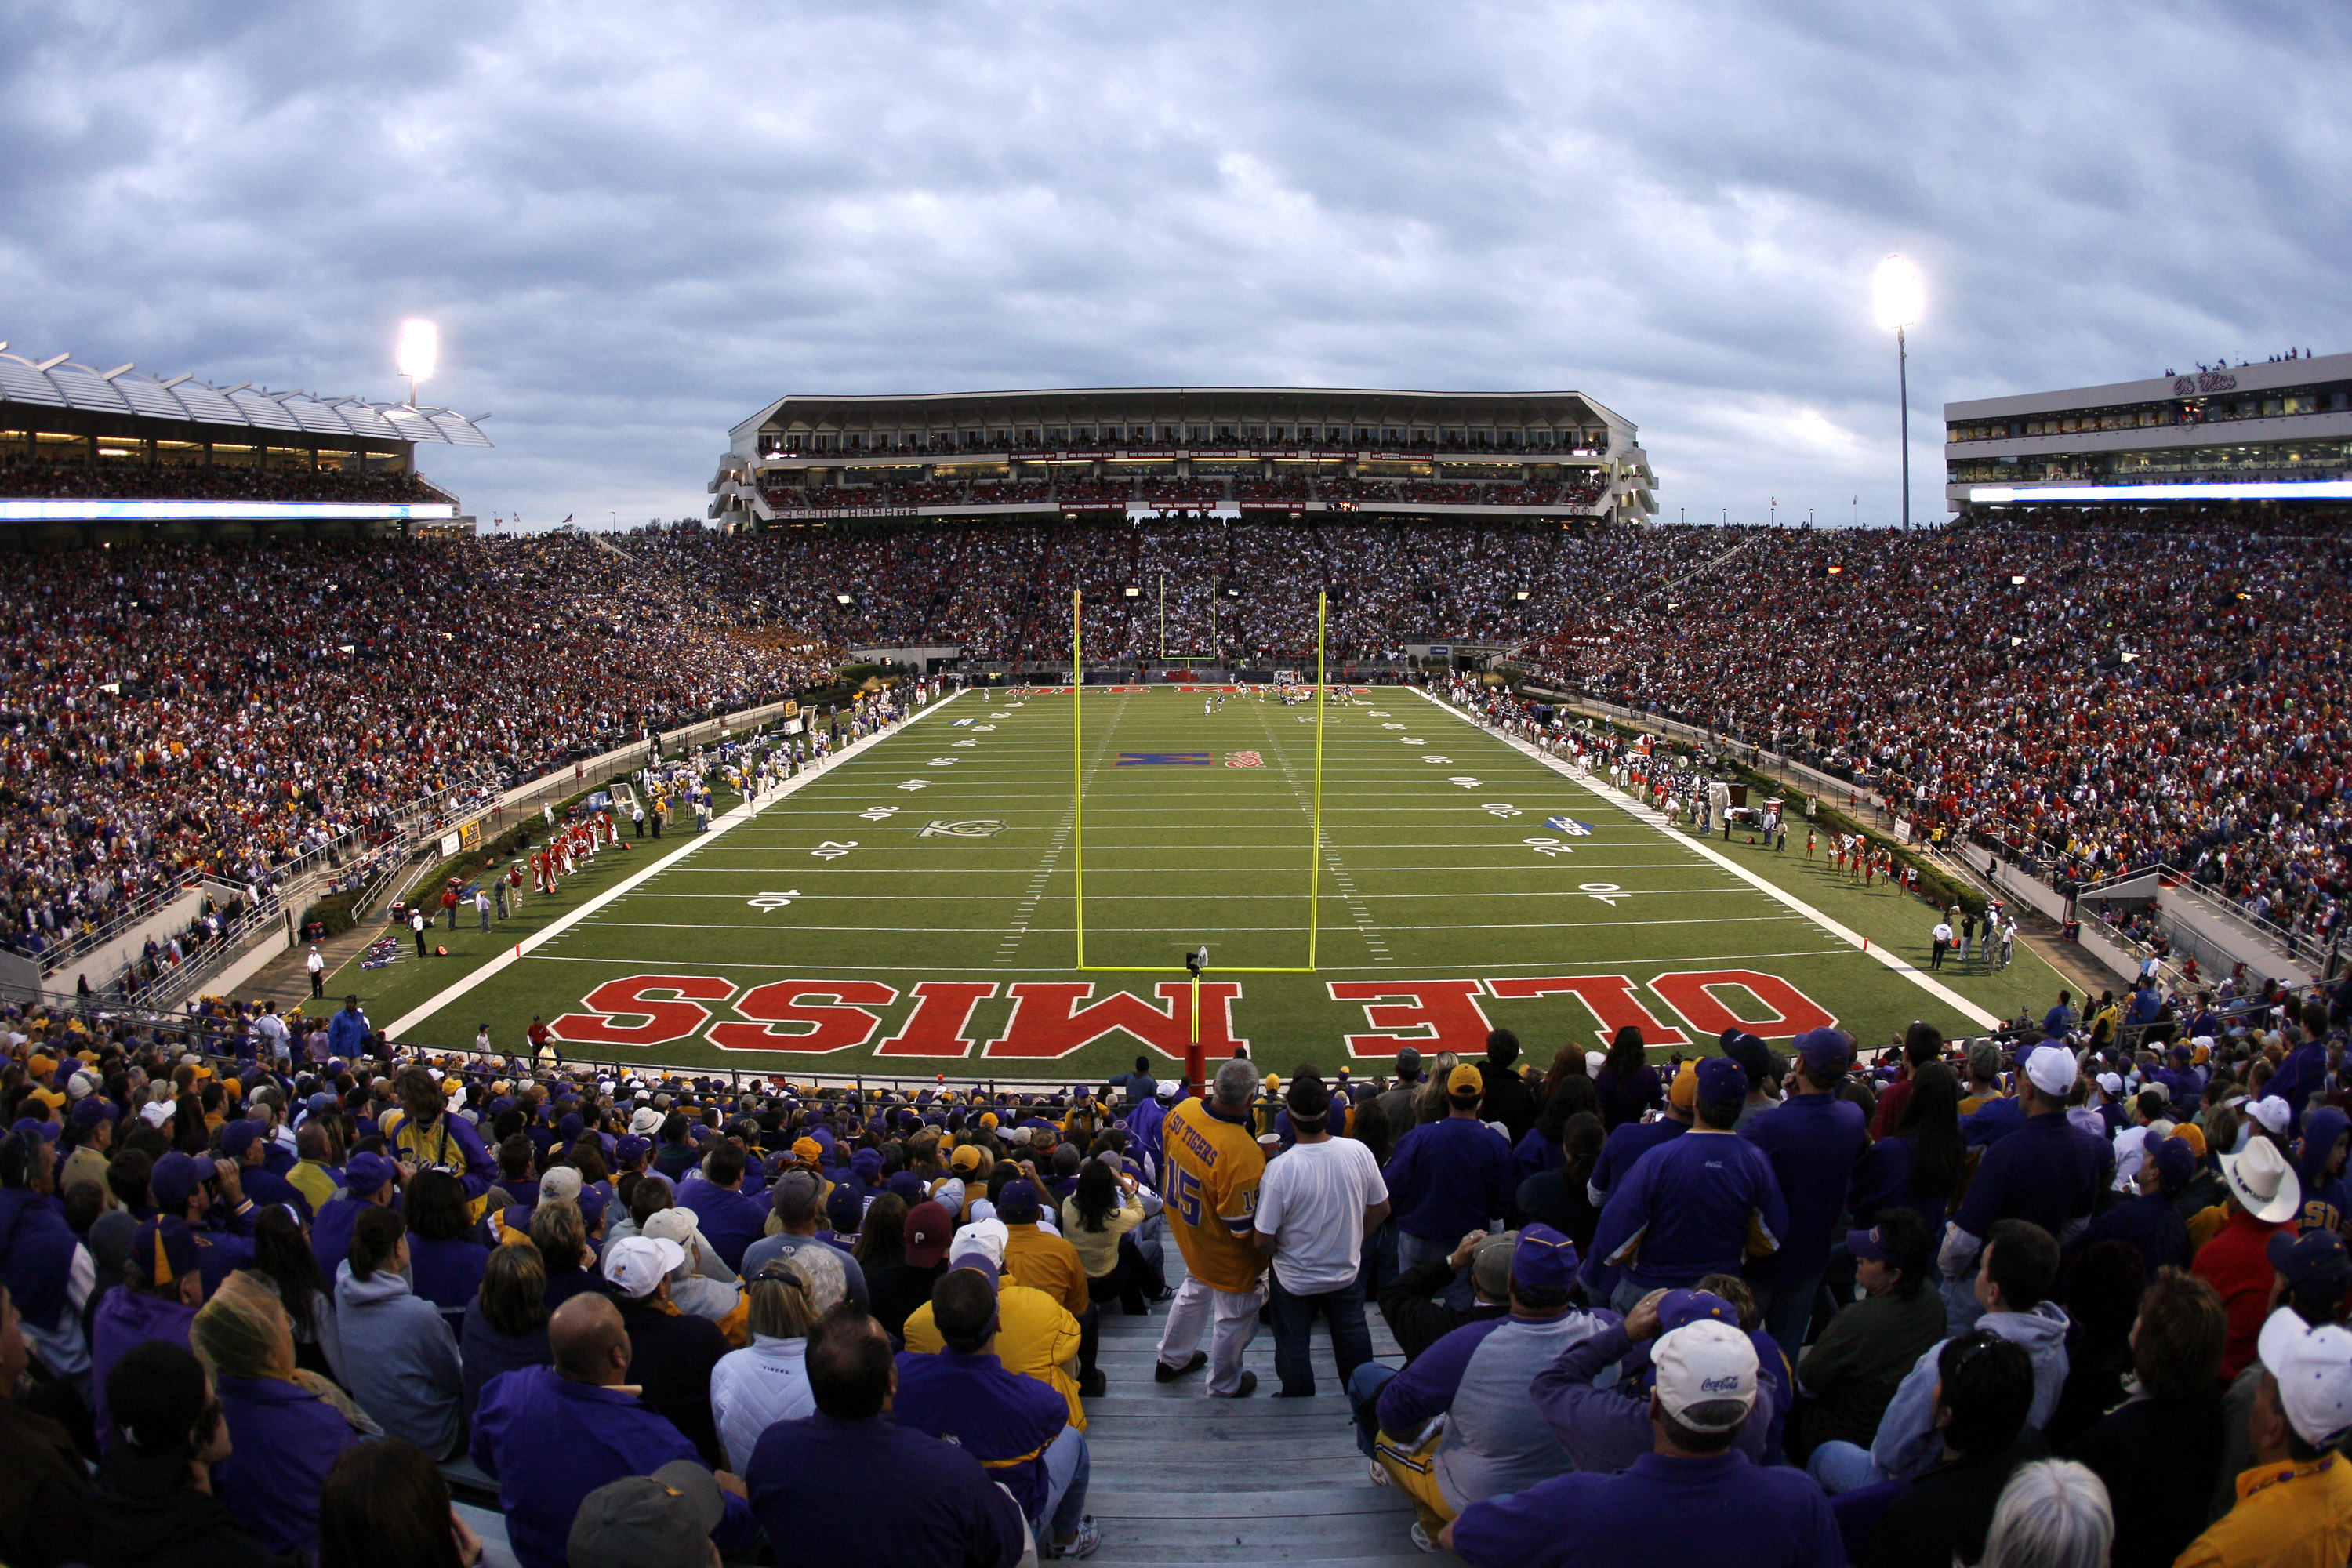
column 1181, row 1478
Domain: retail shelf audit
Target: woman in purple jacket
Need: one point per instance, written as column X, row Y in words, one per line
column 286, row 1426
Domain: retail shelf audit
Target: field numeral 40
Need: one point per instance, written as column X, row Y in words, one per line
column 832, row 849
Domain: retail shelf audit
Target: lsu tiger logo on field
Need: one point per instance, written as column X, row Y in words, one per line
column 1244, row 759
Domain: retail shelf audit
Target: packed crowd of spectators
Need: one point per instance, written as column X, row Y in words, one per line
column 2096, row 691
column 180, row 711
column 1002, row 590
column 2053, row 1302
column 2100, row 692
column 23, row 480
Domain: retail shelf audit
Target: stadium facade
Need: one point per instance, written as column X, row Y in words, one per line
column 86, row 451
column 2280, row 431
column 1232, row 452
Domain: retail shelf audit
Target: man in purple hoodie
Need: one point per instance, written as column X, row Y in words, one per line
column 163, row 1286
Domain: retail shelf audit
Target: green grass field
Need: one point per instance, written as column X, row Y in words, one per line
column 911, row 909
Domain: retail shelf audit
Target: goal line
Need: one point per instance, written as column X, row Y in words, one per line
column 1078, row 821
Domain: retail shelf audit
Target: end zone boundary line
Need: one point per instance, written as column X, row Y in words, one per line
column 743, row 813
column 1762, row 884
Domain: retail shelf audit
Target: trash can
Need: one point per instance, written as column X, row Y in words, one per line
column 2071, row 932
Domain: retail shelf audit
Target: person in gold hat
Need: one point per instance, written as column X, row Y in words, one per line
column 1449, row 1176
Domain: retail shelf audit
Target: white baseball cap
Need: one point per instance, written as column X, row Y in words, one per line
column 2111, row 1084
column 2262, row 1181
column 2271, row 1111
column 2052, row 1068
column 986, row 1236
column 2313, row 1368
column 1706, row 1362
column 156, row 1112
column 638, row 1264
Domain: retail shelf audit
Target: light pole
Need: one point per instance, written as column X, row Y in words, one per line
column 420, row 346
column 1898, row 293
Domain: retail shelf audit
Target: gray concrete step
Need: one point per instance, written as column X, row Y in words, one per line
column 1180, row 1479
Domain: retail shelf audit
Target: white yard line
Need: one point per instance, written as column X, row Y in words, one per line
column 1550, row 966
column 1640, row 812
column 741, row 814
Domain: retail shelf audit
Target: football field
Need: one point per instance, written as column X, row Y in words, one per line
column 915, row 908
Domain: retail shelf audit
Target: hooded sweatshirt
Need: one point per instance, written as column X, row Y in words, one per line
column 124, row 1319
column 1907, row 1443
column 143, row 1512
column 284, row 1438
column 2324, row 1199
column 36, row 1254
column 400, row 1359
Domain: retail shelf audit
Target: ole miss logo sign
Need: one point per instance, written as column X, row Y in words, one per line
column 933, row 1019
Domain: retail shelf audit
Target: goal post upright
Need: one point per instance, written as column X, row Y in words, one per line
column 1315, row 830
column 1079, row 769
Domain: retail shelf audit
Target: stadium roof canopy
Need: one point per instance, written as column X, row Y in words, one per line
column 1084, row 405
column 58, row 383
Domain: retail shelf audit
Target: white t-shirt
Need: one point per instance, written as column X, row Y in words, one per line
column 1312, row 1201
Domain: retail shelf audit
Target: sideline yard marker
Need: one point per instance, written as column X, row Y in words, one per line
column 1639, row 813
column 734, row 818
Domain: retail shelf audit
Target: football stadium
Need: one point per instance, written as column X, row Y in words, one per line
column 1055, row 838
column 869, row 1025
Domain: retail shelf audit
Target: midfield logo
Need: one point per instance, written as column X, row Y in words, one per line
column 1244, row 759
column 974, row 828
column 1569, row 825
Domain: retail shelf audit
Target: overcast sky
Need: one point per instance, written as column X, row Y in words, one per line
column 635, row 223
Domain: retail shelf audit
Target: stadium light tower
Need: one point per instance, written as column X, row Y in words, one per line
column 420, row 346
column 1898, row 293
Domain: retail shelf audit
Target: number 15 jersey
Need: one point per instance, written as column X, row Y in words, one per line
column 1214, row 1166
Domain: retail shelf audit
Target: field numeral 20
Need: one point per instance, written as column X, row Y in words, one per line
column 832, row 849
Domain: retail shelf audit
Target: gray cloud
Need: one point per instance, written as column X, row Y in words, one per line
column 635, row 223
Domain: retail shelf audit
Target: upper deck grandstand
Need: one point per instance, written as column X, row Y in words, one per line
column 1224, row 451
column 2279, row 431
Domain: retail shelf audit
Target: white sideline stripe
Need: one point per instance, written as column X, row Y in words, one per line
column 739, row 815
column 1640, row 812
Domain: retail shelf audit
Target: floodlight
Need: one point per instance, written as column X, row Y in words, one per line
column 420, row 346
column 1133, row 592
column 1519, row 595
column 845, row 599
column 1898, row 293
column 2016, row 580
